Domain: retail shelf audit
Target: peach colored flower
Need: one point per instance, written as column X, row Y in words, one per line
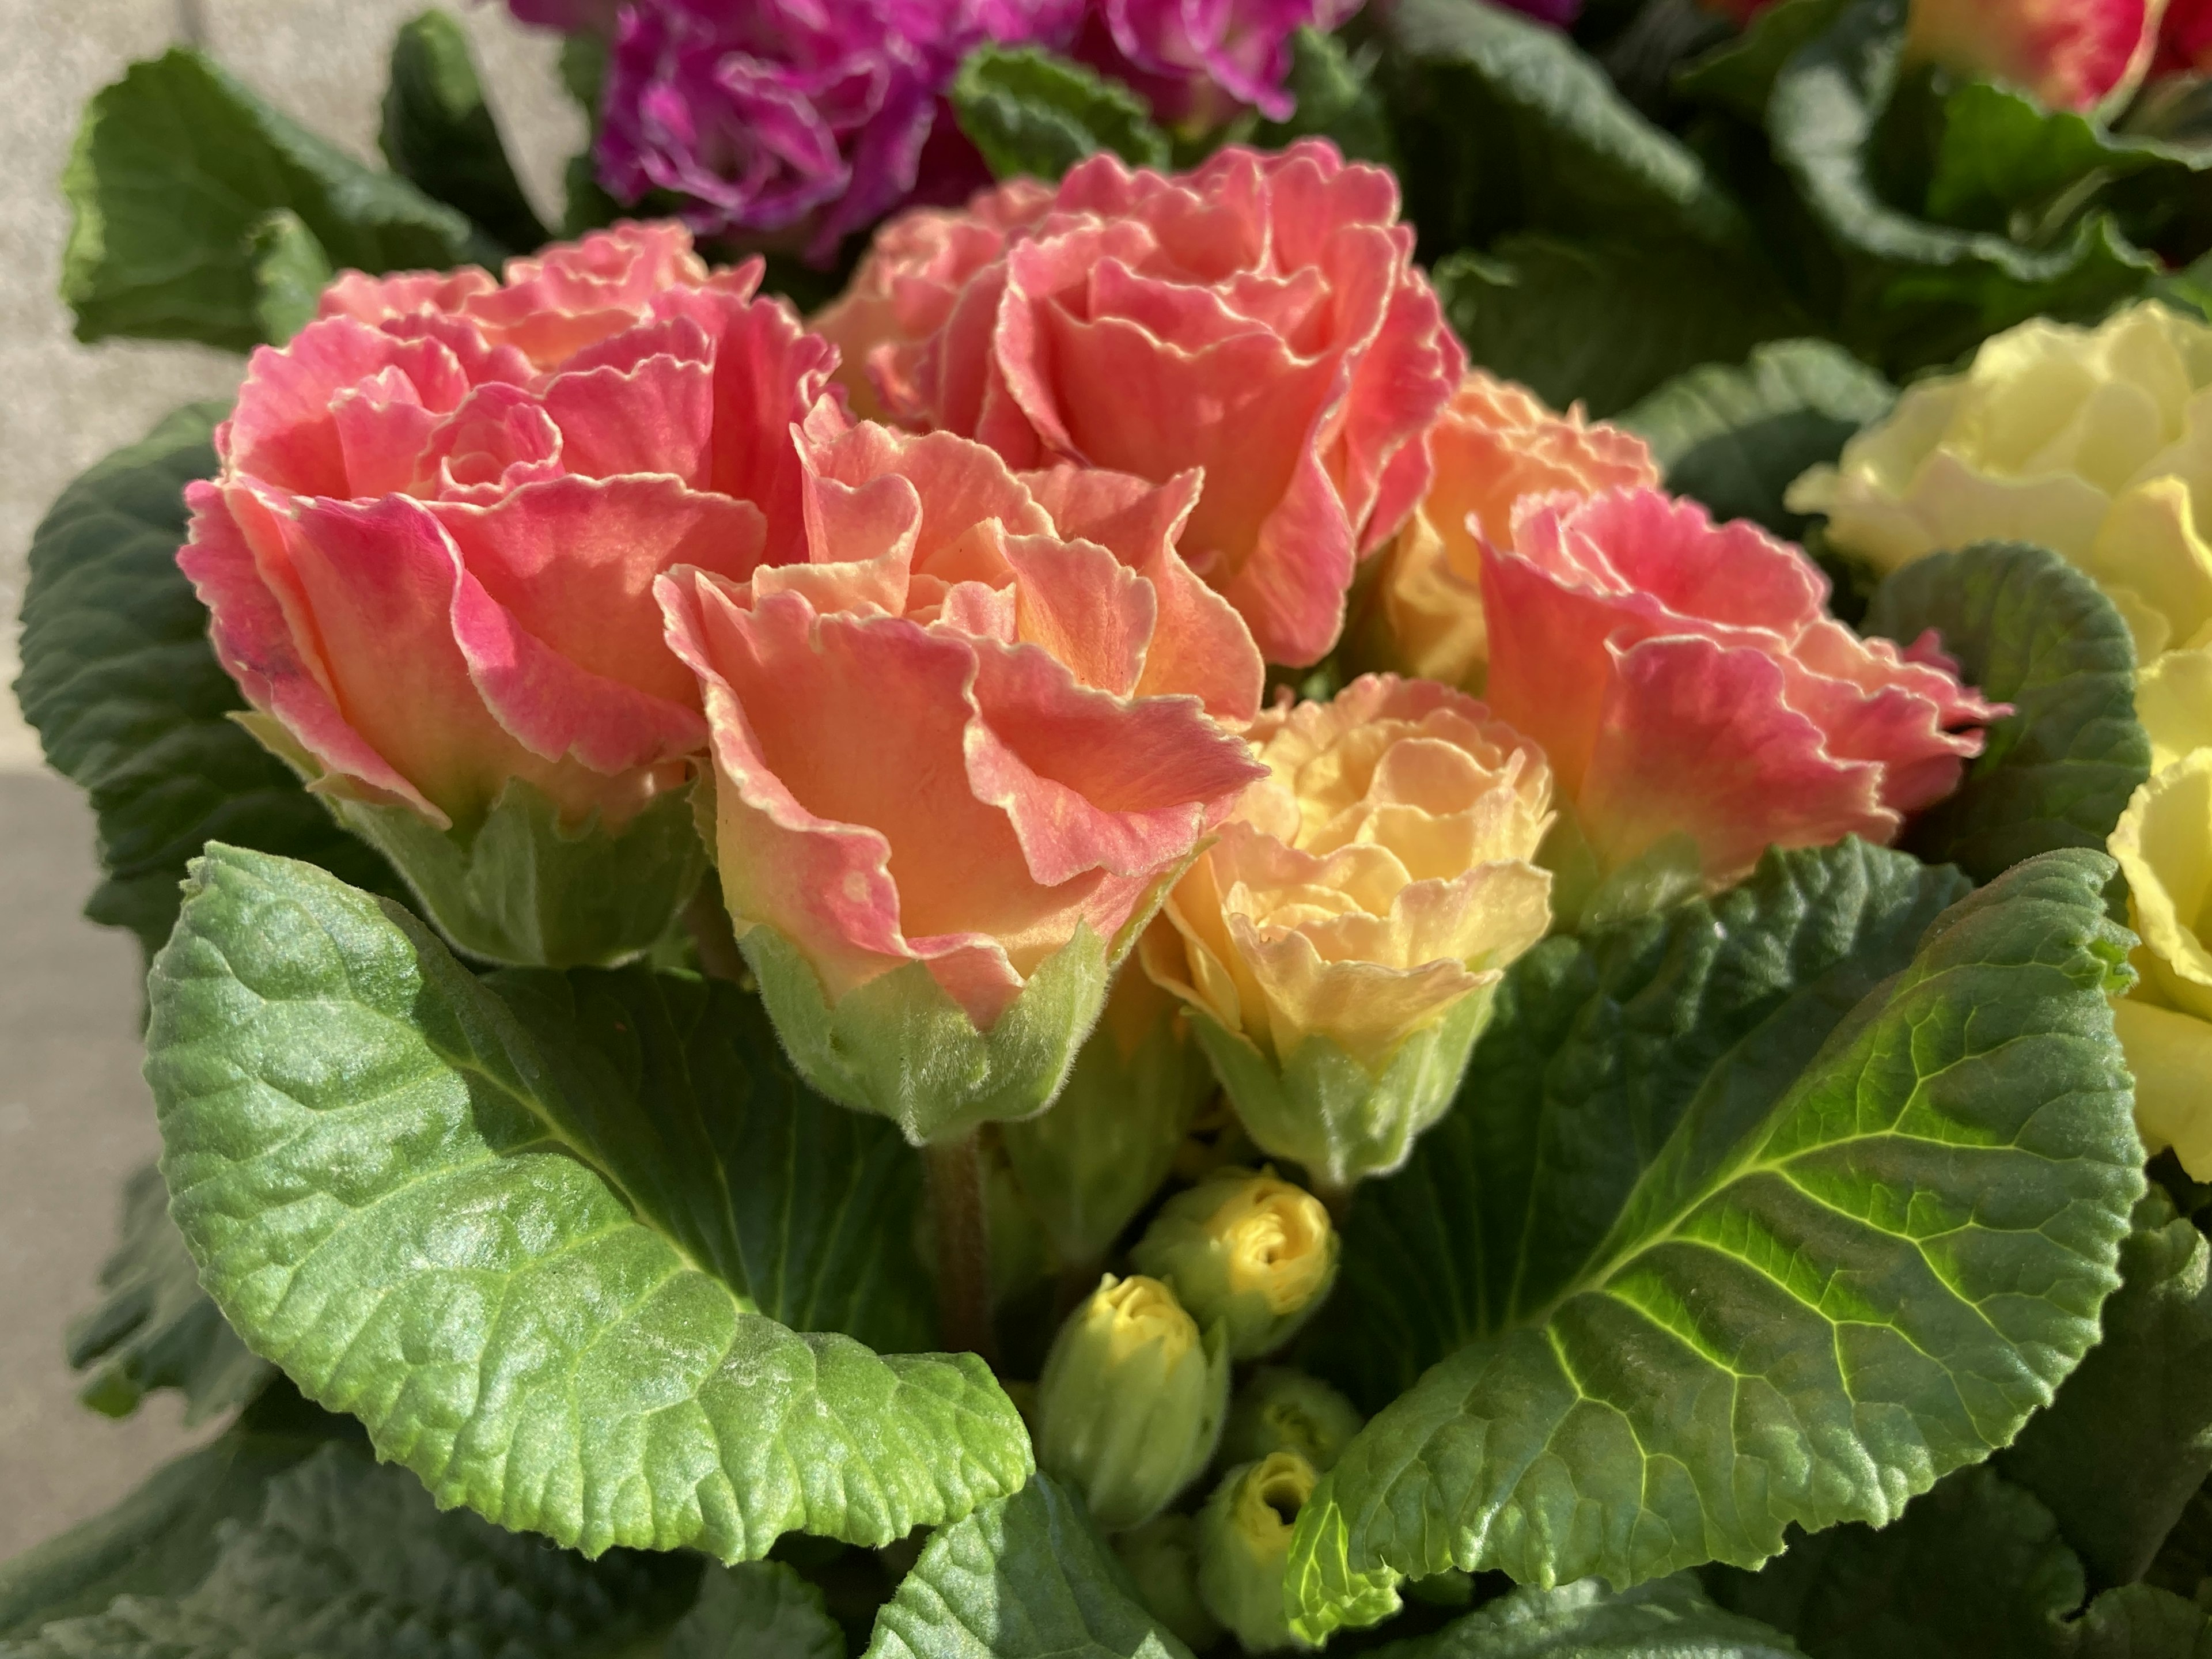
column 1496, row 443
column 1259, row 318
column 1685, row 676
column 430, row 551
column 980, row 717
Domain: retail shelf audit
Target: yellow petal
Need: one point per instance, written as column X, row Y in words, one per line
column 2170, row 1055
column 2173, row 701
column 2163, row 844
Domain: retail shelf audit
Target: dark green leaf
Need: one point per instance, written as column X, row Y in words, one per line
column 154, row 1327
column 1506, row 124
column 758, row 1610
column 1030, row 111
column 2118, row 1455
column 1915, row 292
column 345, row 1559
column 1740, row 75
column 2030, row 631
column 489, row 1248
column 130, row 702
column 175, row 166
column 1337, row 99
column 1834, row 1270
column 1605, row 323
column 161, row 1539
column 290, row 272
column 2003, row 161
column 2139, row 1622
column 1736, row 438
column 1026, row 1578
column 439, row 133
column 1667, row 1619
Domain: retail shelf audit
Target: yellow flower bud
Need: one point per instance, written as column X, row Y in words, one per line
column 2164, row 845
column 1341, row 941
column 1250, row 1251
column 2094, row 442
column 1091, row 1162
column 1283, row 1410
column 1244, row 1543
column 1161, row 1556
column 1132, row 1400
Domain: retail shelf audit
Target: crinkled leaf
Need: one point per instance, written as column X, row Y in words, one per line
column 2030, row 630
column 506, row 1254
column 1606, row 322
column 346, row 1560
column 439, row 133
column 1031, row 112
column 176, row 163
column 129, row 702
column 1800, row 1283
column 1915, row 292
column 2127, row 1443
column 1337, row 99
column 1506, row 124
column 154, row 1327
column 1026, row 1578
column 290, row 272
column 756, row 1610
column 1735, row 437
column 1667, row 1619
column 161, row 1539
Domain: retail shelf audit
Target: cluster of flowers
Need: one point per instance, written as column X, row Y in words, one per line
column 2096, row 443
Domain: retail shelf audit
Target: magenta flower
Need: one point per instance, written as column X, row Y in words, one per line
column 1198, row 60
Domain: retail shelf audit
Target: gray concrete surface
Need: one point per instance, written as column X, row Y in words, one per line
column 74, row 1115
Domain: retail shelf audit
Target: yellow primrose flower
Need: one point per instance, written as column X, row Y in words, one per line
column 2163, row 844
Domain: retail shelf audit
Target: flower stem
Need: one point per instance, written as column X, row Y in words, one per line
column 964, row 1246
column 709, row 924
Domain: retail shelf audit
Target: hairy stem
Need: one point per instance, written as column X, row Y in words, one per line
column 964, row 1246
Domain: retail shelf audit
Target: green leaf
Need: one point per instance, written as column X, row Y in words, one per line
column 1506, row 124
column 438, row 132
column 758, row 1610
column 1914, row 292
column 344, row 1559
column 161, row 1539
column 1607, row 322
column 1738, row 74
column 2119, row 1453
column 505, row 1259
column 290, row 272
column 173, row 167
column 1027, row 1577
column 2030, row 631
column 1834, row 1270
column 2003, row 160
column 1031, row 112
column 1337, row 99
column 154, row 1327
column 1736, row 437
column 129, row 702
column 1669, row 1617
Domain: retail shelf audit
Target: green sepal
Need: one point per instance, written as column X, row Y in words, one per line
column 526, row 889
column 902, row 1048
column 1323, row 1109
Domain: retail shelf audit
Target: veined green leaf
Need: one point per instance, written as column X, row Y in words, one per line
column 154, row 1327
column 1736, row 437
column 1032, row 113
column 1784, row 1259
column 758, row 1610
column 2030, row 631
column 175, row 166
column 1027, row 1577
column 131, row 703
column 1667, row 1619
column 505, row 1249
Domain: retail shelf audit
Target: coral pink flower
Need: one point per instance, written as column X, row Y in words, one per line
column 2071, row 54
column 1260, row 319
column 430, row 548
column 982, row 715
column 1684, row 676
column 2185, row 38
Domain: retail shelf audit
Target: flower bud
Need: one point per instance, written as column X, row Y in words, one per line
column 1161, row 1556
column 1131, row 1403
column 1089, row 1165
column 1250, row 1251
column 1340, row 943
column 1244, row 1542
column 1285, row 1410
